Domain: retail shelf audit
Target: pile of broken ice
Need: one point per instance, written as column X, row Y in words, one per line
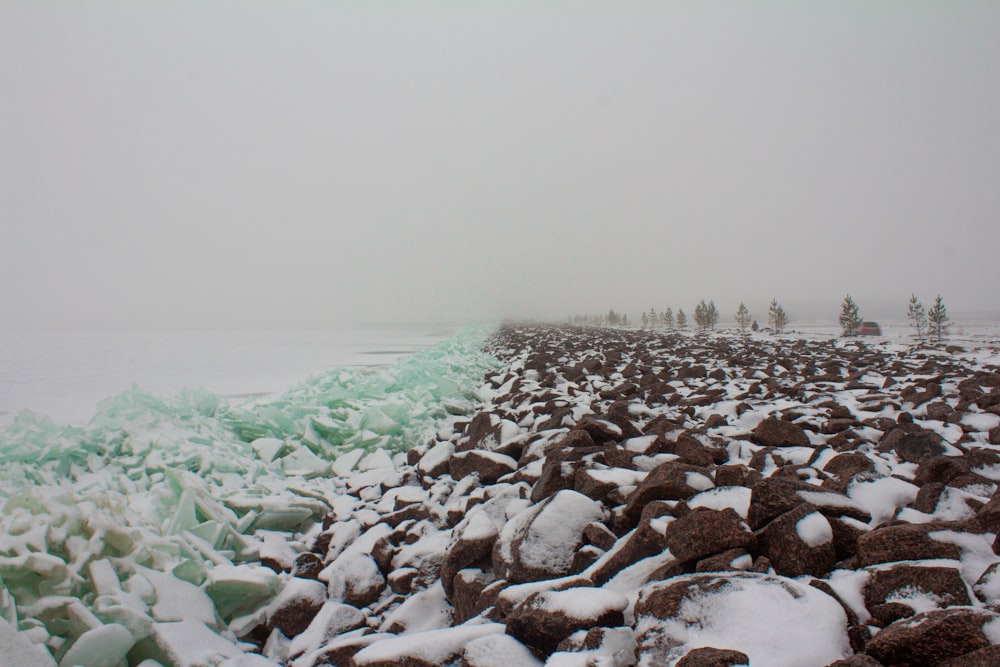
column 139, row 535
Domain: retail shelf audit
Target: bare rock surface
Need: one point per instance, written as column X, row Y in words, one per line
column 706, row 532
column 930, row 638
column 713, row 657
column 773, row 432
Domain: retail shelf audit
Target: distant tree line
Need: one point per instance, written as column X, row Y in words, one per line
column 706, row 318
column 934, row 323
column 611, row 319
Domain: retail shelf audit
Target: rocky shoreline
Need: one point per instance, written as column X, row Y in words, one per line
column 633, row 497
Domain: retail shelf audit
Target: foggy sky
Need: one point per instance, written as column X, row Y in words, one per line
column 312, row 164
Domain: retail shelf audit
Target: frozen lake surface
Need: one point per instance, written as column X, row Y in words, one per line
column 63, row 375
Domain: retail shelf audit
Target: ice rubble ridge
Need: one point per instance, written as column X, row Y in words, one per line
column 147, row 524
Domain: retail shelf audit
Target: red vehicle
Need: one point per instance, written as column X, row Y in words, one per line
column 870, row 329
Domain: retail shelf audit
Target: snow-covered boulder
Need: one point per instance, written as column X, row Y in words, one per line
column 424, row 649
column 295, row 607
column 355, row 579
column 546, row 618
column 540, row 543
column 776, row 621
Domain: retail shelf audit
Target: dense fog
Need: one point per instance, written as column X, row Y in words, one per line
column 315, row 164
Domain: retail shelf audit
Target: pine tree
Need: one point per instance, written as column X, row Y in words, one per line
column 743, row 317
column 937, row 320
column 701, row 315
column 849, row 319
column 917, row 315
column 712, row 315
column 682, row 320
column 668, row 318
column 776, row 316
column 645, row 320
column 653, row 319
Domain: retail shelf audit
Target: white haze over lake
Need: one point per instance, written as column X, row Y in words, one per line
column 65, row 374
column 286, row 165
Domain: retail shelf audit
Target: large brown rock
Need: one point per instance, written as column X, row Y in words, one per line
column 295, row 607
column 706, row 532
column 557, row 475
column 692, row 451
column 483, row 432
column 912, row 443
column 901, row 582
column 668, row 481
column 736, row 475
column 798, row 542
column 775, row 496
column 562, row 459
column 490, row 466
column 732, row 560
column 986, row 586
column 307, row 565
column 845, row 466
column 600, row 430
column 988, row 516
column 903, row 542
column 598, row 483
column 575, row 438
column 466, row 589
column 860, row 660
column 774, row 432
column 641, row 543
column 984, row 657
column 713, row 657
column 330, row 622
column 938, row 410
column 546, row 618
column 341, row 651
column 932, row 637
column 471, row 545
column 940, row 469
column 845, row 538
